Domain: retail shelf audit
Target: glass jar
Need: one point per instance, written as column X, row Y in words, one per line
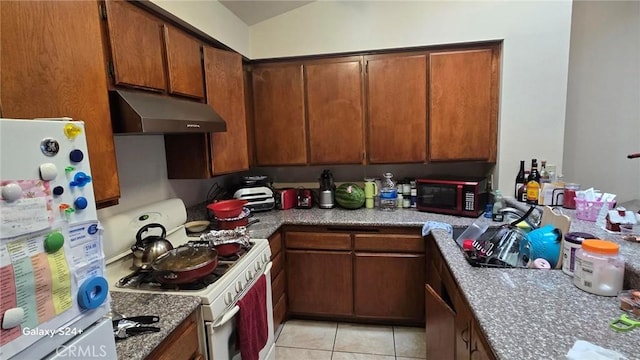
column 599, row 268
column 569, row 198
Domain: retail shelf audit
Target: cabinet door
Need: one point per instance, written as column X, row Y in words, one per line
column 462, row 105
column 440, row 326
column 334, row 107
column 397, row 110
column 184, row 63
column 389, row 286
column 225, row 93
column 52, row 65
column 279, row 123
column 479, row 349
column 319, row 282
column 136, row 46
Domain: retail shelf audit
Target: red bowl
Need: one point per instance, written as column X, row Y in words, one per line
column 225, row 209
column 228, row 249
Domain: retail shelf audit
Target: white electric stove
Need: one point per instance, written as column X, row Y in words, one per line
column 219, row 292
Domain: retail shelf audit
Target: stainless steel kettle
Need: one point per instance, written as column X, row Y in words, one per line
column 147, row 249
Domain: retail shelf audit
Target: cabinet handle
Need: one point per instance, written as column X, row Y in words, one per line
column 465, row 337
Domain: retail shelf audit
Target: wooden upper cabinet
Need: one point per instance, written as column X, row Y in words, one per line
column 184, row 63
column 334, row 108
column 463, row 90
column 136, row 46
column 279, row 115
column 225, row 93
column 52, row 65
column 396, row 103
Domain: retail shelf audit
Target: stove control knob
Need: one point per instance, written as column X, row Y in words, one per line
column 257, row 266
column 239, row 286
column 248, row 275
column 228, row 298
column 265, row 258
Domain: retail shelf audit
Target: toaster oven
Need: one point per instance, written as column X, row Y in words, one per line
column 454, row 196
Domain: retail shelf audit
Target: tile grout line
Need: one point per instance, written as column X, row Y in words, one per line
column 335, row 338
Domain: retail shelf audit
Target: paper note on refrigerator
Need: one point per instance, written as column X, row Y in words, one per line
column 33, row 211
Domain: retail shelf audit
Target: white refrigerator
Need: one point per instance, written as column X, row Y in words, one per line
column 54, row 299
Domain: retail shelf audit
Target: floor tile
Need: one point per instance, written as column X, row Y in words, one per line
column 364, row 339
column 356, row 356
column 409, row 342
column 318, row 335
column 287, row 353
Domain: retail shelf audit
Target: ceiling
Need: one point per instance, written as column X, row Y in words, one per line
column 255, row 11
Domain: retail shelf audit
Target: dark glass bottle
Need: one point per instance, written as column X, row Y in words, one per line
column 520, row 179
column 533, row 183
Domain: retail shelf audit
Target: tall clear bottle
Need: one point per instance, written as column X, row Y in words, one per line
column 388, row 193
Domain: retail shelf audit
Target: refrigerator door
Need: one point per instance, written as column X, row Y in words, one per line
column 51, row 256
column 92, row 343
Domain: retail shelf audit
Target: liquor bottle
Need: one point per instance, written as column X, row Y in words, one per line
column 544, row 174
column 498, row 204
column 520, row 179
column 533, row 183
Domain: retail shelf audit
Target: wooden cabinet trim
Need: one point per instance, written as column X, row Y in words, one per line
column 388, row 242
column 275, row 242
column 278, row 265
column 278, row 286
column 318, row 241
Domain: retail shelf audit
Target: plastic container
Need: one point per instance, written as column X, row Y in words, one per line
column 388, row 193
column 569, row 197
column 599, row 268
column 572, row 242
column 588, row 210
column 472, row 232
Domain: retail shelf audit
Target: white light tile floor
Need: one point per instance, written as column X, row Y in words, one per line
column 323, row 340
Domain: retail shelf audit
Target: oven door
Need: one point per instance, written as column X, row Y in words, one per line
column 222, row 335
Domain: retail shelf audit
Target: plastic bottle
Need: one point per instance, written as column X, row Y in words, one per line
column 498, row 204
column 599, row 267
column 544, row 174
column 388, row 193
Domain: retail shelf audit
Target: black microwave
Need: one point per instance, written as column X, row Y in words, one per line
column 454, row 196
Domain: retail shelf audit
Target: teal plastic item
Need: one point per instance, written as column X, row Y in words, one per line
column 544, row 242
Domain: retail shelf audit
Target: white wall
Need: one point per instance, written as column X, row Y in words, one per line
column 142, row 170
column 534, row 65
column 212, row 18
column 603, row 101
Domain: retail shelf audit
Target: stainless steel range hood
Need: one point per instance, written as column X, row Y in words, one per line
column 135, row 112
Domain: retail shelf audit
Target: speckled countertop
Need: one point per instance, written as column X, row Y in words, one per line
column 171, row 309
column 525, row 314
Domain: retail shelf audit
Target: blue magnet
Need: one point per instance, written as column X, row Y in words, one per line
column 76, row 156
column 81, row 203
column 93, row 292
column 80, row 179
column 58, row 190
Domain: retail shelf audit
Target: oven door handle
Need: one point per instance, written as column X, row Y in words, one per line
column 227, row 316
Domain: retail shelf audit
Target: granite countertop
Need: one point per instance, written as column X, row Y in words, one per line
column 172, row 310
column 525, row 314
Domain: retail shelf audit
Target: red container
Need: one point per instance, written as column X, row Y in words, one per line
column 226, row 209
column 232, row 224
column 228, row 249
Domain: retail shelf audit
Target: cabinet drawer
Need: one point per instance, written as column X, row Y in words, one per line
column 275, row 242
column 278, row 263
column 389, row 242
column 318, row 241
column 181, row 344
column 277, row 287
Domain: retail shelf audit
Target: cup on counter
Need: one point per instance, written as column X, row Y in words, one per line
column 370, row 191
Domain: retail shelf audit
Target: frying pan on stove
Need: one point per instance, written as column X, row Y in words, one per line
column 185, row 264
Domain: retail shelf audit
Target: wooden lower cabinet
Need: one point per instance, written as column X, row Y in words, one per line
column 387, row 286
column 181, row 344
column 278, row 281
column 451, row 330
column 320, row 282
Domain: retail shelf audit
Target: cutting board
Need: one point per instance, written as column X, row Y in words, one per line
column 558, row 220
